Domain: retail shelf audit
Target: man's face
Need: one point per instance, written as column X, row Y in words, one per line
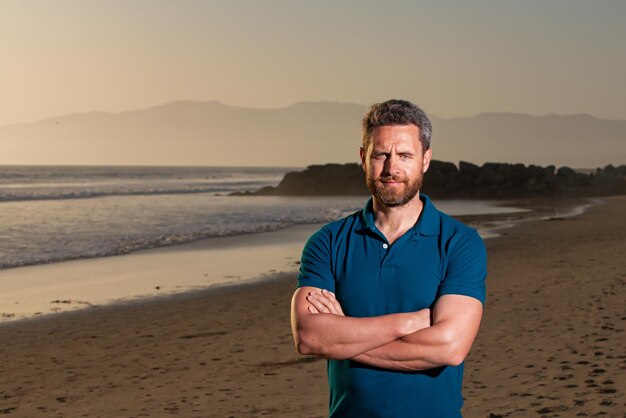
column 394, row 164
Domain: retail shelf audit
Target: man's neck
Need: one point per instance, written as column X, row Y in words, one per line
column 393, row 222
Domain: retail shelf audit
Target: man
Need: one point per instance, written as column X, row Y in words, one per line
column 392, row 295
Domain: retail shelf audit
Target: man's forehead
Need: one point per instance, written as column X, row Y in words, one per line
column 407, row 128
column 394, row 133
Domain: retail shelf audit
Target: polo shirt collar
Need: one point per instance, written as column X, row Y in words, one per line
column 428, row 223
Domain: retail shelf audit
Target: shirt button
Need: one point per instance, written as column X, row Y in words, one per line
column 385, row 246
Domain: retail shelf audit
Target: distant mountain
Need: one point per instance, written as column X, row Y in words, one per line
column 213, row 133
column 581, row 141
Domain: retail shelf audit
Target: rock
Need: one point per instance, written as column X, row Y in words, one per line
column 468, row 169
column 565, row 172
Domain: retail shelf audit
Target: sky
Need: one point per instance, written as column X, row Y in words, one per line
column 454, row 58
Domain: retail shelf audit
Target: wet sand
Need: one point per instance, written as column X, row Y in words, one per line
column 551, row 344
column 71, row 285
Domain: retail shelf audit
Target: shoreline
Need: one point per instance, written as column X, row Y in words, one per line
column 551, row 342
column 41, row 290
column 166, row 241
column 46, row 289
column 533, row 210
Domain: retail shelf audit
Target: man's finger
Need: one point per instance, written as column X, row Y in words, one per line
column 329, row 300
column 312, row 309
column 324, row 303
column 314, row 300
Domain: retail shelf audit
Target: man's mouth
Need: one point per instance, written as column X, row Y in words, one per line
column 390, row 180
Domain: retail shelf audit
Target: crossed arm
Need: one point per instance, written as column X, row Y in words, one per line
column 405, row 341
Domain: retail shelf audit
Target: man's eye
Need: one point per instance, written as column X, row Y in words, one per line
column 378, row 156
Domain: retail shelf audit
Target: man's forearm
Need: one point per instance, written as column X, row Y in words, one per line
column 341, row 337
column 445, row 343
column 424, row 349
column 327, row 332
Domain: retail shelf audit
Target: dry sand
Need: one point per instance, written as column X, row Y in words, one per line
column 552, row 342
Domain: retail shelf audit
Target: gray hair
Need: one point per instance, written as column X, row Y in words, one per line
column 396, row 112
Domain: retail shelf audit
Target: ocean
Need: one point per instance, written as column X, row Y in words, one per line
column 56, row 213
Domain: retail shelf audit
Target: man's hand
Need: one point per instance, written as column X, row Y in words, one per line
column 323, row 302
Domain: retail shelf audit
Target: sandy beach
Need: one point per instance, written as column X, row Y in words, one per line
column 551, row 343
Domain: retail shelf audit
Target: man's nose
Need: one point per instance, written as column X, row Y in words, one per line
column 391, row 163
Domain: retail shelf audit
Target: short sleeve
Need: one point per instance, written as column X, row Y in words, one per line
column 315, row 264
column 466, row 271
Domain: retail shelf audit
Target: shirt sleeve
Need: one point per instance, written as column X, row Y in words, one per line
column 315, row 264
column 467, row 268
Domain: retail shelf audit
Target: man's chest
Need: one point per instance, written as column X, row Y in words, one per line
column 373, row 278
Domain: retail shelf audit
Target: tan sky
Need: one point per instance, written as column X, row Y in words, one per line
column 455, row 58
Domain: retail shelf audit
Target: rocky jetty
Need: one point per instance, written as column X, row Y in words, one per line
column 503, row 180
column 446, row 180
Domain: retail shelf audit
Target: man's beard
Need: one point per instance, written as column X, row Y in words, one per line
column 391, row 197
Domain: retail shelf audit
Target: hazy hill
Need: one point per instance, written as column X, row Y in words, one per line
column 212, row 133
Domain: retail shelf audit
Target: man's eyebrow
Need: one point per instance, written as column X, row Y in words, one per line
column 375, row 151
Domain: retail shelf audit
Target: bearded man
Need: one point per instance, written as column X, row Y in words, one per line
column 392, row 295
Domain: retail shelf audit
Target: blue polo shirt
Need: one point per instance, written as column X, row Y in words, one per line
column 352, row 258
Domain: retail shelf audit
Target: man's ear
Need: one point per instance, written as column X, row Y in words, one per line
column 362, row 154
column 428, row 155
